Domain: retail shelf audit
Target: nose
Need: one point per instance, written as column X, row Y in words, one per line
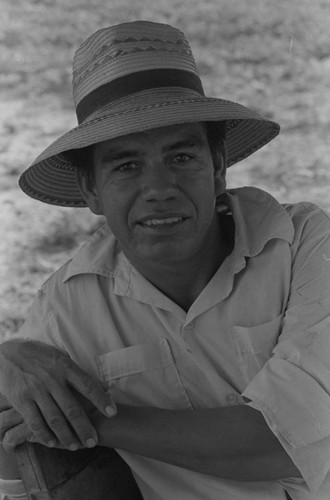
column 159, row 183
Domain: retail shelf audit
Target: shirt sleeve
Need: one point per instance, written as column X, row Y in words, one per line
column 293, row 388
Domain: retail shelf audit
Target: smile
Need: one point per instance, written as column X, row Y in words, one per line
column 162, row 222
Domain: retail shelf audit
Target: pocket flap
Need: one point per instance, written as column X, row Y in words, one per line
column 257, row 338
column 144, row 375
column 135, row 359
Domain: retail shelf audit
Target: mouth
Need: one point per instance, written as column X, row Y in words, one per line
column 161, row 222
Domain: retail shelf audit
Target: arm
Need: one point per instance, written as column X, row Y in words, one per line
column 293, row 388
column 230, row 442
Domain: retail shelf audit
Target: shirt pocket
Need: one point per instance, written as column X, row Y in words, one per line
column 144, row 375
column 254, row 345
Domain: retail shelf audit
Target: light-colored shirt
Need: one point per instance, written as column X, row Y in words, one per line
column 259, row 329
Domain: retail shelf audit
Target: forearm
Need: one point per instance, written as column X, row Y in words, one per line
column 231, row 442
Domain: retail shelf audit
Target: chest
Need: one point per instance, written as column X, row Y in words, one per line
column 153, row 353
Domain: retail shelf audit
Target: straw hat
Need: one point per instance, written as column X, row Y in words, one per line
column 130, row 78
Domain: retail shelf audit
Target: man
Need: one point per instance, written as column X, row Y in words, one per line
column 195, row 321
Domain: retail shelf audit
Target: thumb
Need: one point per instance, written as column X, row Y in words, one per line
column 93, row 390
column 111, row 408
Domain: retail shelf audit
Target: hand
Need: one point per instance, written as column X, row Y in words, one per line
column 38, row 381
column 13, row 430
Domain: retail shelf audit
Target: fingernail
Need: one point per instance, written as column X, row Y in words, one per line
column 73, row 447
column 110, row 411
column 51, row 443
column 90, row 443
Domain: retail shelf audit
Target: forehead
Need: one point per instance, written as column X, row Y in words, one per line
column 163, row 136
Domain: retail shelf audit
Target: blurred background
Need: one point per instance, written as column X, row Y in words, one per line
column 271, row 55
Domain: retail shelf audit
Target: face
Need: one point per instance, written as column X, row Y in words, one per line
column 157, row 191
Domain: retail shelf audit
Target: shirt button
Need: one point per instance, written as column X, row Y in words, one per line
column 189, row 326
column 232, row 399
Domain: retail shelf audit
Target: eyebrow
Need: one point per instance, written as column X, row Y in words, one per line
column 118, row 155
column 192, row 140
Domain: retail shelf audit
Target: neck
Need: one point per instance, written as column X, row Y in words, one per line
column 183, row 281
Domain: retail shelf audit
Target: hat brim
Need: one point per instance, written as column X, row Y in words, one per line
column 52, row 178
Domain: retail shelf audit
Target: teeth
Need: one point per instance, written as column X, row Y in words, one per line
column 159, row 222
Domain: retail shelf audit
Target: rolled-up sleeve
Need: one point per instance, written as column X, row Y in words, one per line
column 293, row 388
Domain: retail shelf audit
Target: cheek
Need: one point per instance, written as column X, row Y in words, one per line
column 205, row 190
column 117, row 207
column 206, row 196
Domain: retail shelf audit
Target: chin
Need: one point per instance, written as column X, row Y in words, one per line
column 170, row 255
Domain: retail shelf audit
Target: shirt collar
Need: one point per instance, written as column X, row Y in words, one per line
column 258, row 218
column 100, row 254
column 257, row 215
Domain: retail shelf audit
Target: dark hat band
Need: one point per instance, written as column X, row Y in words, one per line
column 136, row 82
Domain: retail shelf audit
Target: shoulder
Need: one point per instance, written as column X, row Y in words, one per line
column 54, row 291
column 309, row 220
column 306, row 210
column 96, row 257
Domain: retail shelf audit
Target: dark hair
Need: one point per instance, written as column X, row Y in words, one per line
column 216, row 135
column 83, row 160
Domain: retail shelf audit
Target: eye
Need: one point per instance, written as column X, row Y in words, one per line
column 182, row 158
column 128, row 167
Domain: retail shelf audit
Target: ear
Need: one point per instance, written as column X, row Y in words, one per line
column 220, row 178
column 89, row 193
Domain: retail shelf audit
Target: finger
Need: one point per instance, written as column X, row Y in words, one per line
column 92, row 390
column 78, row 416
column 8, row 419
column 58, row 423
column 68, row 421
column 33, row 439
column 4, row 403
column 15, row 436
column 37, row 425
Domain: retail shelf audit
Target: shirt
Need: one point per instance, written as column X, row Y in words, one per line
column 259, row 329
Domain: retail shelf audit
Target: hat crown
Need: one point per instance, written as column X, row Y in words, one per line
column 128, row 48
